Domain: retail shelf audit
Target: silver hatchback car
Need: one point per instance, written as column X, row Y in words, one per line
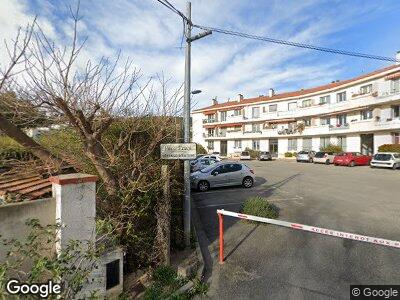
column 222, row 174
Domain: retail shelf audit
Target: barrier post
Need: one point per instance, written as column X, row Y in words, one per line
column 221, row 238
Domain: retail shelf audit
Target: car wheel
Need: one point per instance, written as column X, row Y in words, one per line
column 248, row 182
column 352, row 164
column 372, row 167
column 310, row 160
column 327, row 162
column 395, row 166
column 203, row 186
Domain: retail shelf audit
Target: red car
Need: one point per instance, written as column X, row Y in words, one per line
column 351, row 159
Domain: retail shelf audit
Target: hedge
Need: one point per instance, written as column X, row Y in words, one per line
column 389, row 148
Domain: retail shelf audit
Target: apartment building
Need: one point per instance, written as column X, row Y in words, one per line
column 359, row 114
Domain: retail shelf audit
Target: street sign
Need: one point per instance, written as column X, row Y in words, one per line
column 178, row 151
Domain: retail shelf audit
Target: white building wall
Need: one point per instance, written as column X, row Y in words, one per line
column 197, row 129
column 282, row 147
column 264, row 145
column 381, row 139
column 353, row 143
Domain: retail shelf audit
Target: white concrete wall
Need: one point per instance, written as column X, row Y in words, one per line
column 381, row 139
column 353, row 143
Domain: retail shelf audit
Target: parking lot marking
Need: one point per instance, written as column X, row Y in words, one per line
column 312, row 229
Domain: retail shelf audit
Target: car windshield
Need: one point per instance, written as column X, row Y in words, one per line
column 319, row 154
column 381, row 156
column 245, row 153
column 303, row 152
column 264, row 153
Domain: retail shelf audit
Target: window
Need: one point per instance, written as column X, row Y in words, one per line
column 396, row 137
column 255, row 127
column 324, row 142
column 340, row 97
column 238, row 144
column 307, row 144
column 366, row 89
column 366, row 114
column 325, row 99
column 395, row 86
column 341, row 120
column 233, row 168
column 223, row 116
column 211, row 118
column 396, row 111
column 210, row 145
column 273, row 108
column 341, row 142
column 255, row 112
column 306, row 103
column 256, row 144
column 112, row 274
column 237, row 112
column 210, row 132
column 326, row 121
column 307, row 121
column 292, row 144
column 292, row 106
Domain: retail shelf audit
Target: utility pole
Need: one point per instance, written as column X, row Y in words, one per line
column 186, row 117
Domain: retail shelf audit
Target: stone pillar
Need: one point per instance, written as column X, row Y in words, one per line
column 75, row 196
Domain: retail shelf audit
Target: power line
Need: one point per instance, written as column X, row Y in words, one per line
column 294, row 44
column 167, row 4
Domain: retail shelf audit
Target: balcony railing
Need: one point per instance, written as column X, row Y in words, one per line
column 255, row 131
column 339, row 126
column 206, row 121
column 215, row 134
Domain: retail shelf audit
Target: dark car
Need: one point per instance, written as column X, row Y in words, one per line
column 264, row 155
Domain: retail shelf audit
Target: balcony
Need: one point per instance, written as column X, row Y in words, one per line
column 338, row 127
column 214, row 135
column 208, row 121
column 253, row 132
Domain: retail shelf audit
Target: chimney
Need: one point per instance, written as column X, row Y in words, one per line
column 214, row 101
column 271, row 93
column 240, row 97
column 398, row 58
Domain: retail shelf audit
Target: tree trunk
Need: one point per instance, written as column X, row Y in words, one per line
column 163, row 216
column 95, row 153
column 19, row 136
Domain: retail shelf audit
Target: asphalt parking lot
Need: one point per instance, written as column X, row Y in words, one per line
column 271, row 262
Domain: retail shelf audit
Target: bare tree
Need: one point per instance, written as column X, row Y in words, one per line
column 18, row 54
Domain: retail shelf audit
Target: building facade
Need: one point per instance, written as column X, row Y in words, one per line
column 358, row 114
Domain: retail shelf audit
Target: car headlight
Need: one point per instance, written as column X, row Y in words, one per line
column 195, row 177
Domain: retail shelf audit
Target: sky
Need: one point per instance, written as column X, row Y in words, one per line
column 223, row 66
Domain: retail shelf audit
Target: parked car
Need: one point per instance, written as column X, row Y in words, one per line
column 207, row 156
column 264, row 155
column 386, row 160
column 245, row 155
column 202, row 163
column 324, row 158
column 352, row 159
column 222, row 174
column 305, row 156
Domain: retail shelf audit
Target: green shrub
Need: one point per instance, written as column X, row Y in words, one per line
column 288, row 154
column 165, row 275
column 332, row 148
column 10, row 149
column 389, row 148
column 200, row 149
column 253, row 153
column 260, row 207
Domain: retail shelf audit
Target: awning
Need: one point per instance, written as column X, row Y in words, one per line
column 210, row 112
column 393, row 76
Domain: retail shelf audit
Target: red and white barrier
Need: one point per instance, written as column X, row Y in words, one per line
column 313, row 229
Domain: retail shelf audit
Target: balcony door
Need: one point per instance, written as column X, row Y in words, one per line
column 224, row 148
column 273, row 147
